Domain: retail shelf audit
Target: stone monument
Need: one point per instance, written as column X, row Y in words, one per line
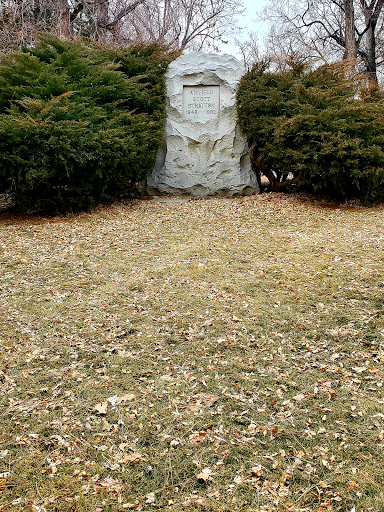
column 204, row 152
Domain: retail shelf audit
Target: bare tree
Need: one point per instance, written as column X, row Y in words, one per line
column 372, row 12
column 193, row 24
column 249, row 49
column 178, row 23
column 350, row 39
column 329, row 29
column 20, row 20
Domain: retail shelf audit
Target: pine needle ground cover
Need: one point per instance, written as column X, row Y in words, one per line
column 218, row 355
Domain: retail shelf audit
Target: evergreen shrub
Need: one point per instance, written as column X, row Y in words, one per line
column 79, row 124
column 315, row 125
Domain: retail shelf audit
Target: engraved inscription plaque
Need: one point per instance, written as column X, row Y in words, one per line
column 201, row 102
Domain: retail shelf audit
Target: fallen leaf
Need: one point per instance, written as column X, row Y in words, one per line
column 199, row 437
column 113, row 400
column 299, row 397
column 111, row 485
column 205, row 475
column 359, row 369
column 101, row 408
column 258, row 470
column 126, row 398
column 133, row 457
column 151, row 498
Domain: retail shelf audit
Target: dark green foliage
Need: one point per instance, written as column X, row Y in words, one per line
column 312, row 125
column 79, row 124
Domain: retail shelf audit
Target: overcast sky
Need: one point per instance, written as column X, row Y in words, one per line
column 249, row 23
column 252, row 7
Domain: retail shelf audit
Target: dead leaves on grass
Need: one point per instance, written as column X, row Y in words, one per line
column 101, row 408
column 205, row 475
column 235, row 358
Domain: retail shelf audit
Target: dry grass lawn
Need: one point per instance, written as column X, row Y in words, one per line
column 207, row 355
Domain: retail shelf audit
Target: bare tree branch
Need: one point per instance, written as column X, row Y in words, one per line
column 76, row 11
column 124, row 13
column 179, row 23
column 343, row 29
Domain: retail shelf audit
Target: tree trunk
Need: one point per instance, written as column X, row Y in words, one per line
column 371, row 53
column 63, row 17
column 350, row 40
column 102, row 11
column 277, row 180
column 371, row 15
